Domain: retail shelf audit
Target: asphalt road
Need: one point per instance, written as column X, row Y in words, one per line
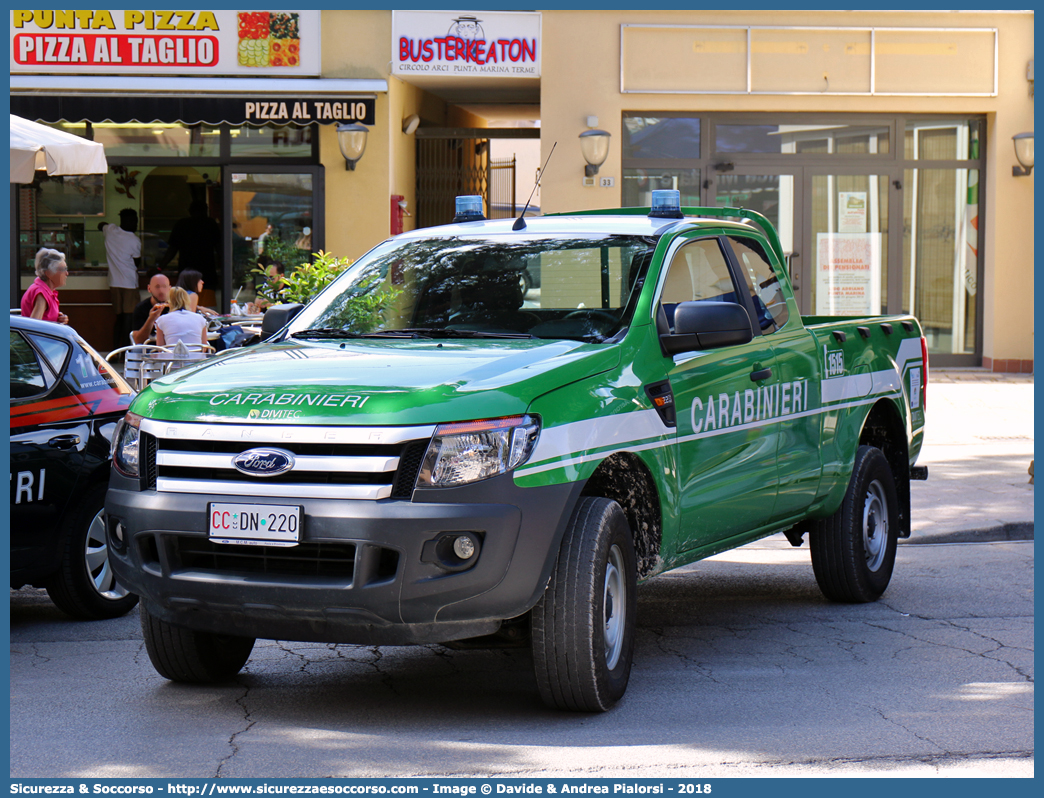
column 741, row 669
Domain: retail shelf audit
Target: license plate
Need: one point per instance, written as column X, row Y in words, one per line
column 255, row 524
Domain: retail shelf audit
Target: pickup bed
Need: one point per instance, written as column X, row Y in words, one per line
column 435, row 450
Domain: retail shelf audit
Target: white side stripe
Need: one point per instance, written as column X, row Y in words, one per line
column 618, row 431
column 608, row 449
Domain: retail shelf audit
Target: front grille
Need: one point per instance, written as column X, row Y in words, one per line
column 319, row 560
column 409, row 466
column 150, row 460
column 368, row 463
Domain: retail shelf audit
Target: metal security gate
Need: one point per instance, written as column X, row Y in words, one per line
column 501, row 183
column 455, row 161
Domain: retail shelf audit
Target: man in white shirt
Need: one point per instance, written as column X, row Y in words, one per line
column 123, row 252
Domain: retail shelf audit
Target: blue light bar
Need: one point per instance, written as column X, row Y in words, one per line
column 666, row 204
column 469, row 209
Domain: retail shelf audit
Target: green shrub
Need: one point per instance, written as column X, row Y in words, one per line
column 303, row 282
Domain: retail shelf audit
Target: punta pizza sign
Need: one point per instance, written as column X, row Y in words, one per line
column 486, row 44
column 173, row 42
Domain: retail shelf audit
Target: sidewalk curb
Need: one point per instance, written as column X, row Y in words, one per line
column 1016, row 531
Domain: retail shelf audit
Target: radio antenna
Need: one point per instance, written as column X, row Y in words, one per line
column 520, row 222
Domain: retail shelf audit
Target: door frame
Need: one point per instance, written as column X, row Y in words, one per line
column 317, row 171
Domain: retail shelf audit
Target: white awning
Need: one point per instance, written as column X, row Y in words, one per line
column 36, row 146
column 135, row 86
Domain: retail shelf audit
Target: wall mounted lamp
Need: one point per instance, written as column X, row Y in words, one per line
column 594, row 144
column 352, row 141
column 410, row 124
column 1024, row 153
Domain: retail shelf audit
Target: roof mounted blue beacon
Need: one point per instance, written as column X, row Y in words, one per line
column 469, row 209
column 666, row 204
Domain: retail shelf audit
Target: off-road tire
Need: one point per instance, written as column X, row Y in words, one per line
column 853, row 550
column 583, row 625
column 84, row 586
column 186, row 655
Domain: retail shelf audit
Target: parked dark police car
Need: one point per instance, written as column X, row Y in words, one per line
column 65, row 402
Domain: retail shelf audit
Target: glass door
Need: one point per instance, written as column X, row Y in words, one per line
column 847, row 240
column 275, row 223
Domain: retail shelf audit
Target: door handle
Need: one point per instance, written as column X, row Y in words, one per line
column 758, row 376
column 64, row 442
column 790, row 256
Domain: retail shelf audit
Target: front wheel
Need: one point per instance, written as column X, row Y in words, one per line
column 186, row 655
column 583, row 625
column 853, row 551
column 85, row 586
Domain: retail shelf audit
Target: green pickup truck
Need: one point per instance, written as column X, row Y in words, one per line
column 435, row 450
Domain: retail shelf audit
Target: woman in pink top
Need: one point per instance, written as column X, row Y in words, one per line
column 40, row 301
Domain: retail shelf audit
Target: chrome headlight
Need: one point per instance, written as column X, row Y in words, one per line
column 470, row 451
column 125, row 450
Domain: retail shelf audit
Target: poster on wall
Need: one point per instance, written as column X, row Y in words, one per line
column 848, row 274
column 481, row 43
column 175, row 43
column 851, row 212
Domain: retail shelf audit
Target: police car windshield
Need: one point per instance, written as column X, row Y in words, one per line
column 555, row 287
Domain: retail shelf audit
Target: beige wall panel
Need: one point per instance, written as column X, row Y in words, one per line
column 934, row 62
column 810, row 60
column 357, row 202
column 356, row 44
column 684, row 59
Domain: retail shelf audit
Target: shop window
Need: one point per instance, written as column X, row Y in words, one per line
column 802, row 139
column 157, row 140
column 279, row 141
column 941, row 139
column 661, row 137
column 940, row 255
column 638, row 185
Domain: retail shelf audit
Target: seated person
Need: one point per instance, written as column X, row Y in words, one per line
column 143, row 319
column 192, row 282
column 181, row 324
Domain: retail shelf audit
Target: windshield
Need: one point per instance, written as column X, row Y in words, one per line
column 582, row 288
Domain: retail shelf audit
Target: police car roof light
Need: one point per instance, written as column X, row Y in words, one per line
column 666, row 204
column 469, row 209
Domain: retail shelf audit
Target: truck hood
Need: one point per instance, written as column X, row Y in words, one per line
column 372, row 382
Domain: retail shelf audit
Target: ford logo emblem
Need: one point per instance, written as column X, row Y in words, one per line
column 264, row 462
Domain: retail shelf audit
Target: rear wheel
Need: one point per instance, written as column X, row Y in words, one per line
column 85, row 586
column 583, row 626
column 853, row 551
column 186, row 655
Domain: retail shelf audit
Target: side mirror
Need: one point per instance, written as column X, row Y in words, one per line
column 707, row 325
column 277, row 317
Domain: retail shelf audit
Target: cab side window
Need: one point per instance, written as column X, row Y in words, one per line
column 769, row 302
column 698, row 273
column 28, row 376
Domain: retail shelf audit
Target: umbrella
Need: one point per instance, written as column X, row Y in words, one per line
column 36, row 146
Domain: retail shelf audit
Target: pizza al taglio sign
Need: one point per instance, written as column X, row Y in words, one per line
column 155, row 42
column 462, row 44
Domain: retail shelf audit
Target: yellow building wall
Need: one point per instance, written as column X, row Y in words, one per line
column 357, row 44
column 581, row 77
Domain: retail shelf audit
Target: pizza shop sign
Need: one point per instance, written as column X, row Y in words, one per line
column 486, row 44
column 138, row 41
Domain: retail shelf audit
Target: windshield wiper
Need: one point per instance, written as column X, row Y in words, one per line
column 322, row 332
column 406, row 332
column 443, row 332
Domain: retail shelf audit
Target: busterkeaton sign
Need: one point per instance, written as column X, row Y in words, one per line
column 474, row 44
column 257, row 110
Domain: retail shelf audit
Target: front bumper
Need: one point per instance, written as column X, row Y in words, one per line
column 365, row 572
